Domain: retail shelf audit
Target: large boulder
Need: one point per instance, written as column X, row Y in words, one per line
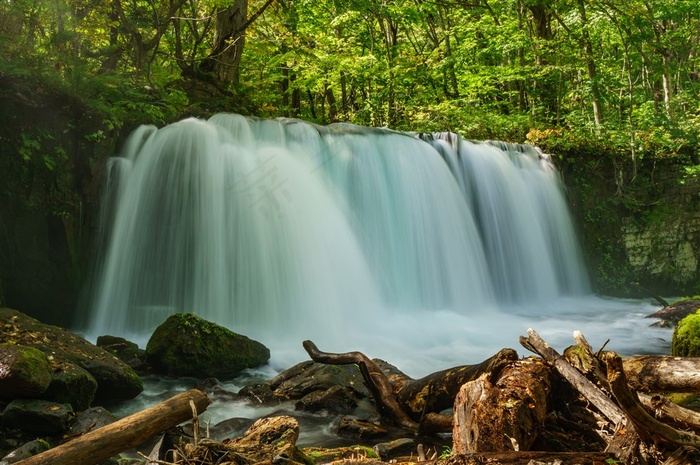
column 115, row 379
column 186, row 345
column 686, row 337
column 37, row 416
column 24, row 371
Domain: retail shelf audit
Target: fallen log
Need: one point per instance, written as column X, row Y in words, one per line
column 414, row 404
column 529, row 458
column 657, row 373
column 667, row 411
column 647, row 426
column 97, row 446
column 437, row 391
column 607, row 407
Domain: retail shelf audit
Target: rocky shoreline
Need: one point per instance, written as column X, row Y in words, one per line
column 57, row 384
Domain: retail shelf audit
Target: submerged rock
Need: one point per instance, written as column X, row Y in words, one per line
column 187, row 345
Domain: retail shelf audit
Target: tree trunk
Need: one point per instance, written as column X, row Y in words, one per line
column 99, row 445
column 503, row 416
column 229, row 41
column 591, row 66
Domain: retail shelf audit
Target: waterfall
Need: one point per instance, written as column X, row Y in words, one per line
column 284, row 229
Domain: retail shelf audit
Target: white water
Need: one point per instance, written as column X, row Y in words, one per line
column 426, row 254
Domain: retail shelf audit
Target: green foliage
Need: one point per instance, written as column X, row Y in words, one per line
column 446, row 453
column 488, row 71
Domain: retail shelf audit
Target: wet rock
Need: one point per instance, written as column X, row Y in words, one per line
column 90, row 420
column 670, row 315
column 360, row 429
column 37, row 416
column 231, row 428
column 127, row 351
column 309, row 376
column 71, row 384
column 115, row 379
column 25, row 451
column 395, row 448
column 333, row 400
column 24, row 372
column 186, row 345
column 259, row 393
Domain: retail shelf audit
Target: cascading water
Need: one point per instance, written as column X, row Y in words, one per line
column 283, row 231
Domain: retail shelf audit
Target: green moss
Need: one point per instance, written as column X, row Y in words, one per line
column 30, row 372
column 186, row 345
column 686, row 337
column 320, row 455
column 689, row 400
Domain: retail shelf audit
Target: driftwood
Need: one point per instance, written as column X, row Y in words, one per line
column 667, row 411
column 653, row 373
column 506, row 406
column 587, row 388
column 647, row 426
column 414, row 404
column 97, row 446
column 530, row 458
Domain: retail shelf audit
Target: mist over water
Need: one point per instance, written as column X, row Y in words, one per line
column 426, row 251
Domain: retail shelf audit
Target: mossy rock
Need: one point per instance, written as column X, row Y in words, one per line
column 686, row 337
column 72, row 385
column 25, row 372
column 115, row 379
column 186, row 345
column 36, row 416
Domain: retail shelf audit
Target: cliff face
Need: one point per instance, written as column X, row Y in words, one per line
column 51, row 150
column 639, row 223
column 664, row 252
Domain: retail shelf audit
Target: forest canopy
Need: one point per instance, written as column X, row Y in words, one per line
column 625, row 75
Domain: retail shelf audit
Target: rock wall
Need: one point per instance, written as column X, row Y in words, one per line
column 639, row 224
column 665, row 252
column 51, row 151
